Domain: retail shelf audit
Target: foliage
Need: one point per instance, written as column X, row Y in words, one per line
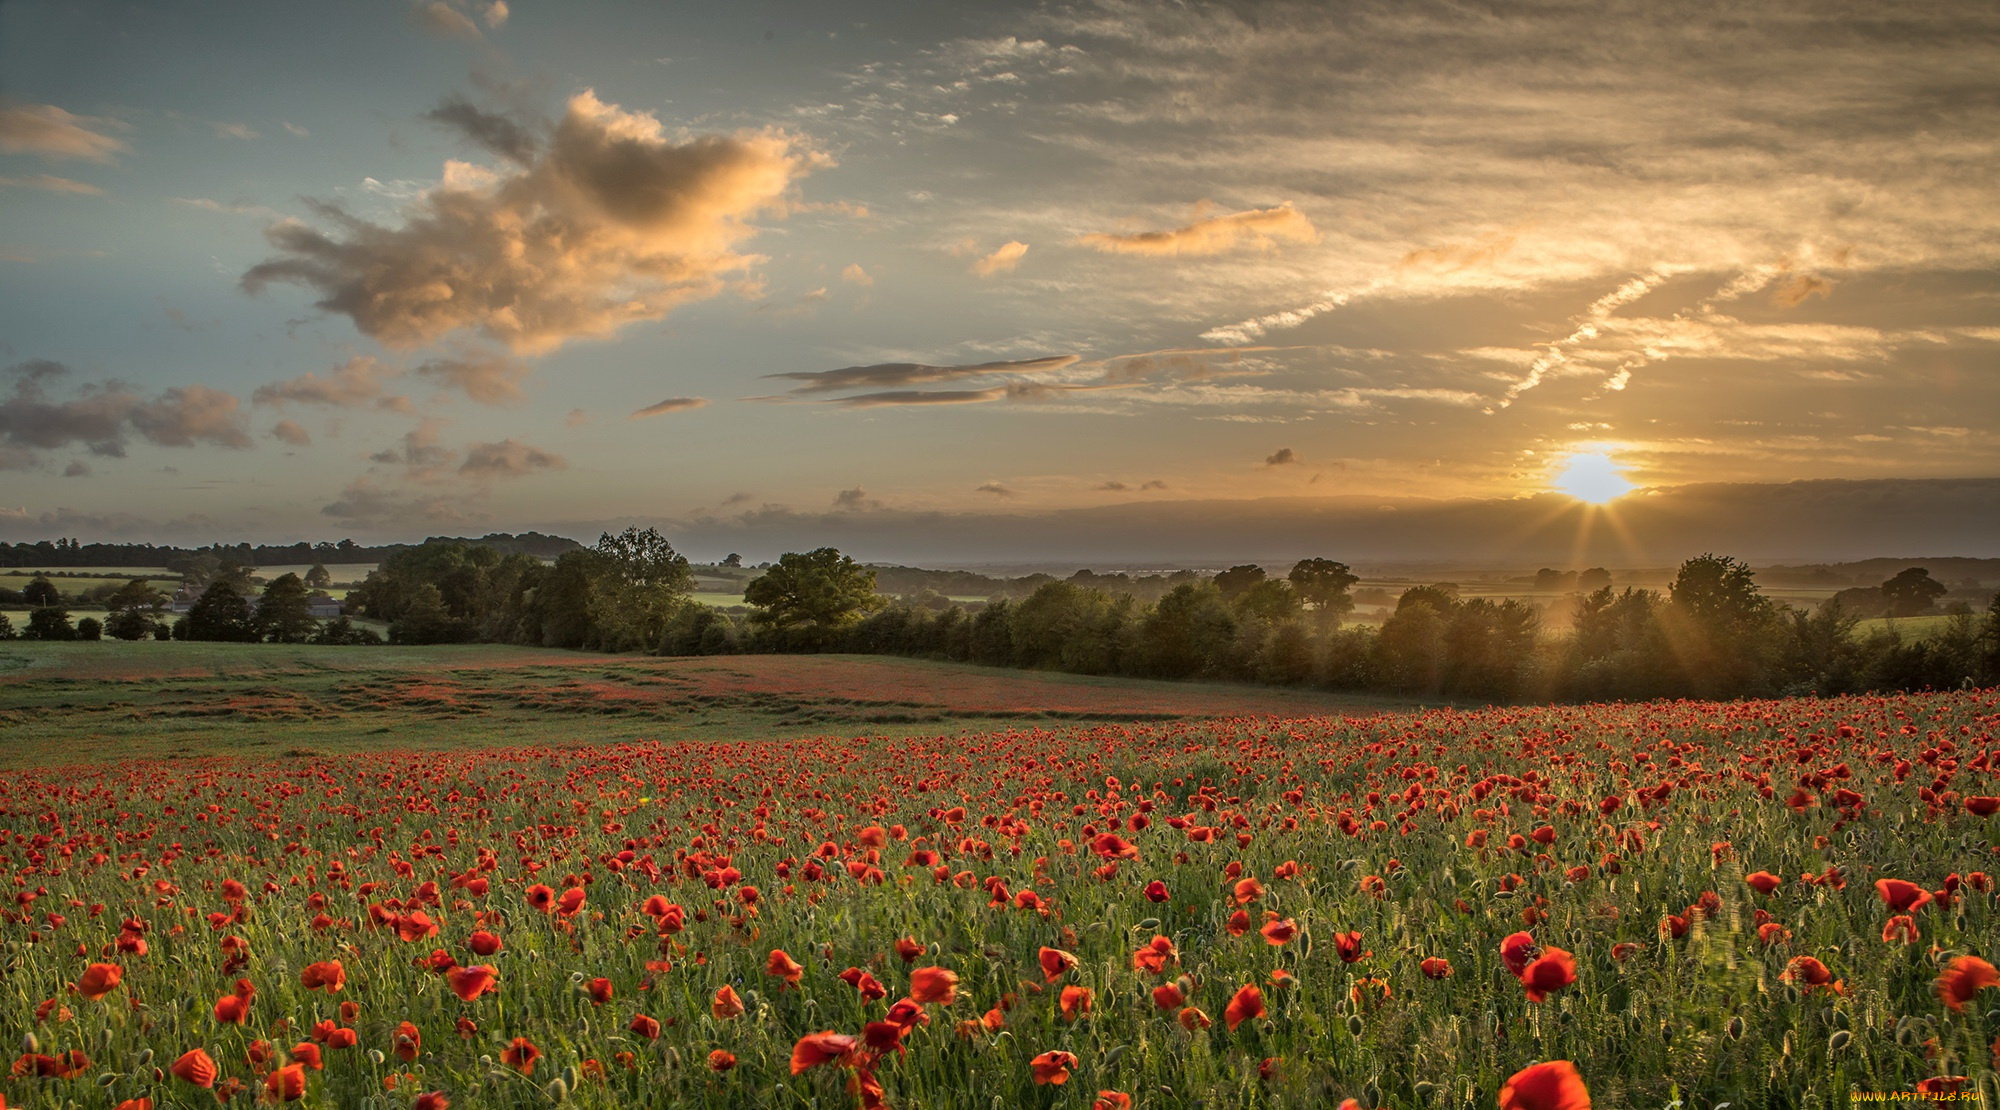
column 284, row 612
column 220, row 613
column 821, row 588
column 49, row 623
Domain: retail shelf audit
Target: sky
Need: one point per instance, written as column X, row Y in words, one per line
column 953, row 279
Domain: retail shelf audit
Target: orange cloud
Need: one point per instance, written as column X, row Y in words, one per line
column 49, row 131
column 1258, row 227
column 1000, row 261
column 610, row 225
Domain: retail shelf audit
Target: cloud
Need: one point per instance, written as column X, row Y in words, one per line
column 996, row 489
column 290, row 431
column 101, row 415
column 922, row 397
column 365, row 503
column 295, row 129
column 483, row 376
column 501, row 134
column 420, row 453
column 52, row 184
column 855, row 275
column 855, row 500
column 1154, row 484
column 671, row 404
column 495, row 14
column 1460, row 256
column 1257, row 227
column 186, row 415
column 77, row 469
column 1283, row 456
column 916, row 373
column 49, row 131
column 441, row 19
column 509, row 458
column 610, row 225
column 577, row 418
column 1799, row 289
column 357, row 381
column 1000, row 261
column 233, row 131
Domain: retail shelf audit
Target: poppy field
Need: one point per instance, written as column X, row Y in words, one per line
column 1754, row 903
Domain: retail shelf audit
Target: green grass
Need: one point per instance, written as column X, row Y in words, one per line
column 1909, row 628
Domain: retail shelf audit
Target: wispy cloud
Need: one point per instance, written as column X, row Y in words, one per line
column 1256, row 227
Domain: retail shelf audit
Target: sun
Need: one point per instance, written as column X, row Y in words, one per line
column 1592, row 477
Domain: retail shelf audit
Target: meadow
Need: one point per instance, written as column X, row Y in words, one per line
column 622, row 882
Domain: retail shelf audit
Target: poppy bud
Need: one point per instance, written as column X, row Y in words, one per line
column 1839, row 1040
column 1736, row 1029
column 1354, row 1025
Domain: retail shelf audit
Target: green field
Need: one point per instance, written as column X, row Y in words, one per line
column 113, row 700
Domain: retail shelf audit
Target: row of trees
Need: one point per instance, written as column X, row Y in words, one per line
column 223, row 612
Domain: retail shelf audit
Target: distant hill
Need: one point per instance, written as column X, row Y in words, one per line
column 70, row 553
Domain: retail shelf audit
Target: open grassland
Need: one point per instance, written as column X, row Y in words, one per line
column 1758, row 904
column 111, row 700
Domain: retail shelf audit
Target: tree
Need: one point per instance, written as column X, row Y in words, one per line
column 1722, row 630
column 41, row 593
column 90, row 628
column 1323, row 584
column 1442, row 597
column 640, row 585
column 131, row 624
column 732, row 560
column 284, row 612
column 1236, row 581
column 1596, row 578
column 318, row 578
column 49, row 623
column 220, row 614
column 6, row 628
column 425, row 619
column 136, row 594
column 135, row 610
column 1911, row 592
column 821, row 587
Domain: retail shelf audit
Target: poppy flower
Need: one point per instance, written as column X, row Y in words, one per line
column 1622, row 950
column 327, row 975
column 782, row 966
column 432, row 1100
column 99, row 980
column 721, row 1060
column 815, row 1049
column 1166, row 996
column 1052, row 1068
column 1553, row 1085
column 541, row 897
column 1436, row 967
column 1771, row 932
column 141, row 1103
column 195, row 1066
column 1076, row 1001
column 1156, row 891
column 1054, row 962
column 1516, row 951
column 1548, row 973
column 231, row 1009
column 934, row 984
column 287, row 1084
column 571, row 902
column 1982, row 806
column 1194, row 1020
column 469, row 983
column 1965, row 977
column 1808, row 973
column 1247, row 891
column 407, row 1042
column 1239, row 923
column 727, row 1003
column 1902, row 896
column 1248, row 1003
column 484, row 943
column 599, row 991
column 1279, row 933
column 909, row 949
column 1111, row 1100
column 307, row 1053
column 521, row 1055
column 646, row 1027
column 1155, row 956
column 1763, row 882
column 1348, row 947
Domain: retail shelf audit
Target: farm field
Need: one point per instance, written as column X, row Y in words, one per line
column 113, row 700
column 532, row 891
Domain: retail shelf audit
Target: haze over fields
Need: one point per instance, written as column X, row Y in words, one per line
column 1612, row 283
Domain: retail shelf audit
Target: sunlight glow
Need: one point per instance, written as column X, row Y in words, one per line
column 1592, row 477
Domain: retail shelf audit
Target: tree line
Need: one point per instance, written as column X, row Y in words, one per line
column 1711, row 634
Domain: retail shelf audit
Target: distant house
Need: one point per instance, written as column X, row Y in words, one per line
column 325, row 608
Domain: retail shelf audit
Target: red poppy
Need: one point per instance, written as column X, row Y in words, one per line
column 1763, row 882
column 1808, row 973
column 909, row 949
column 195, row 1066
column 599, row 990
column 1166, row 996
column 727, row 1003
column 1076, row 1001
column 571, row 902
column 1348, row 947
column 407, row 1042
column 1982, row 806
column 934, row 984
column 1902, row 896
column 483, row 943
column 1516, row 950
column 1193, row 1019
column 1278, row 933
column 1239, row 923
column 721, row 1060
column 1111, row 1100
column 521, row 1055
column 1436, row 967
column 815, row 1049
column 1052, row 1068
column 99, row 980
column 1623, row 950
column 231, row 1009
column 1155, row 956
column 646, row 1027
column 1156, row 891
column 1054, row 962
column 1942, row 1085
column 307, row 1053
column 287, row 1084
column 541, row 897
column 1550, row 972
column 1247, row 891
column 782, row 966
column 1965, row 977
column 1553, row 1085
column 1248, row 1003
column 327, row 975
column 469, row 983
column 432, row 1100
